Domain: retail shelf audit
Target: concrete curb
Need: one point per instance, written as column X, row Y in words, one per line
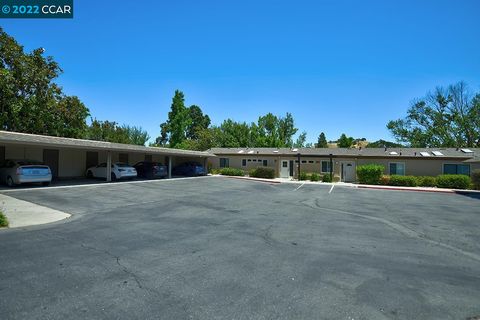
column 248, row 178
column 22, row 213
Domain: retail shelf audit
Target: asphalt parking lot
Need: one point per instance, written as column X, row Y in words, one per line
column 220, row 248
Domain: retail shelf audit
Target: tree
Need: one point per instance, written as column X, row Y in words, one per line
column 30, row 101
column 136, row 135
column 322, row 141
column 448, row 117
column 344, row 141
column 301, row 139
column 383, row 144
column 198, row 122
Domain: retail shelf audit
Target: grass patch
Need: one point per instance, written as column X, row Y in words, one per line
column 3, row 220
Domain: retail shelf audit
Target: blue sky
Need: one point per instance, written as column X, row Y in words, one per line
column 337, row 66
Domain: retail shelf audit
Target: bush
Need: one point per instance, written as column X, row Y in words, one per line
column 314, row 177
column 385, row 180
column 427, row 181
column 262, row 172
column 454, row 181
column 326, row 178
column 370, row 173
column 476, row 179
column 3, row 220
column 404, row 181
column 303, row 176
column 214, row 171
column 231, row 172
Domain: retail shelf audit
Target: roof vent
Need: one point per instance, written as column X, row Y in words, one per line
column 393, row 153
column 275, row 151
column 294, row 150
column 251, row 151
column 240, row 151
column 425, row 154
column 437, row 153
column 467, row 151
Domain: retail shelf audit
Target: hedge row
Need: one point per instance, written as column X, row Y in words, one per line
column 231, row 172
column 262, row 172
column 450, row 181
column 314, row 177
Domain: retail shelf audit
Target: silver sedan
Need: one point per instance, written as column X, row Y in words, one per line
column 15, row 172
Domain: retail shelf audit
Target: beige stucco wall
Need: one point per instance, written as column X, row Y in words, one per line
column 417, row 167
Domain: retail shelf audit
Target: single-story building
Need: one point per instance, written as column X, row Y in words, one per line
column 69, row 158
column 342, row 162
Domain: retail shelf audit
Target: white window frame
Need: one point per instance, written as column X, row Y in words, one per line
column 321, row 166
column 398, row 162
column 225, row 160
column 456, row 164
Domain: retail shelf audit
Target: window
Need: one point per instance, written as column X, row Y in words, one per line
column 265, row 163
column 325, row 166
column 244, row 162
column 254, row 160
column 285, row 164
column 304, row 161
column 456, row 169
column 311, row 161
column 249, row 160
column 397, row 168
column 224, row 162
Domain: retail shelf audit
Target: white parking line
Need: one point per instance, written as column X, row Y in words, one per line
column 331, row 189
column 105, row 184
column 299, row 186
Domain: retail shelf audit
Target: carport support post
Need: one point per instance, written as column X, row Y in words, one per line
column 298, row 158
column 169, row 167
column 109, row 166
column 331, row 167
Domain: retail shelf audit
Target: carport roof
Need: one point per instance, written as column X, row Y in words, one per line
column 34, row 139
column 423, row 153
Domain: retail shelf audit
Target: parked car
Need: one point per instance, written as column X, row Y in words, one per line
column 15, row 172
column 120, row 170
column 191, row 168
column 150, row 170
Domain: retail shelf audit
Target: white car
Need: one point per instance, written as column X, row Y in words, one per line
column 15, row 172
column 119, row 171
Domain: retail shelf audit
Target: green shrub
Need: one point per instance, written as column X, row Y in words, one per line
column 370, row 173
column 454, row 181
column 404, row 181
column 385, row 180
column 314, row 177
column 303, row 176
column 231, row 172
column 262, row 172
column 214, row 171
column 326, row 178
column 427, row 181
column 476, row 179
column 3, row 220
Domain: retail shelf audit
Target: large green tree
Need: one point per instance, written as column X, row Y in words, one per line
column 446, row 117
column 322, row 141
column 111, row 131
column 30, row 100
column 344, row 141
column 301, row 140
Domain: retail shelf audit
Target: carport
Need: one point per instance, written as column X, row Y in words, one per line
column 69, row 158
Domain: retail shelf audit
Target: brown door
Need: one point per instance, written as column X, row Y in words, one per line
column 123, row 157
column 92, row 159
column 50, row 158
column 2, row 154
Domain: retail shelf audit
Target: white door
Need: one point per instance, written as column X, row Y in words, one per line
column 348, row 171
column 284, row 169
